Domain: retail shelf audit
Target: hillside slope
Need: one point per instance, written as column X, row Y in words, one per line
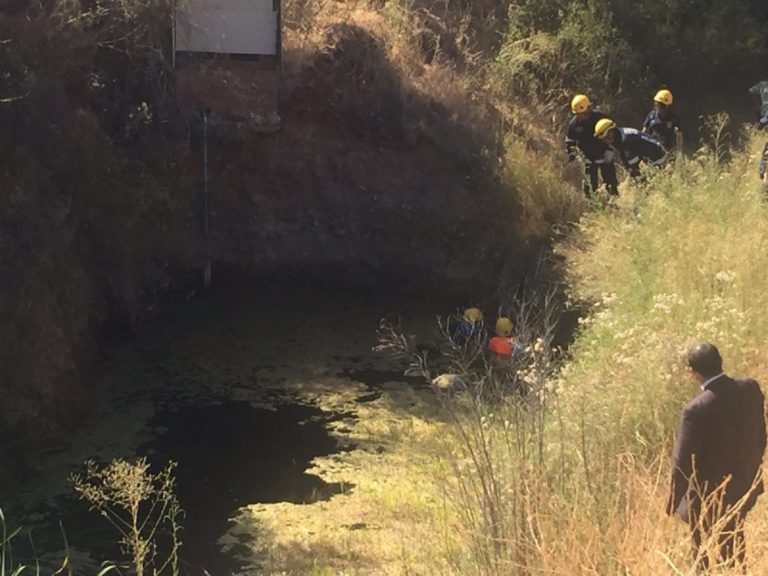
column 369, row 179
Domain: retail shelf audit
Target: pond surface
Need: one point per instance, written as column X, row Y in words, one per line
column 233, row 454
column 227, row 385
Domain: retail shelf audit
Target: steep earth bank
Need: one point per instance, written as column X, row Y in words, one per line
column 366, row 181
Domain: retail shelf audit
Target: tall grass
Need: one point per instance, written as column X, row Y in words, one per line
column 683, row 259
column 575, row 483
column 535, row 181
column 568, row 474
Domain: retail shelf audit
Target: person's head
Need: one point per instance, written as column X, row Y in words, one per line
column 504, row 327
column 473, row 315
column 662, row 101
column 604, row 130
column 580, row 105
column 704, row 360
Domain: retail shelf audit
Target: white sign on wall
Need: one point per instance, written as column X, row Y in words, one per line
column 226, row 27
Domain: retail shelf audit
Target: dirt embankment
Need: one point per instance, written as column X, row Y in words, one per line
column 366, row 175
column 367, row 179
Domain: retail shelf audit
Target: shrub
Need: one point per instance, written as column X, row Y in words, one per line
column 141, row 506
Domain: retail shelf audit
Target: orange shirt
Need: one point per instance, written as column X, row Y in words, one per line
column 500, row 345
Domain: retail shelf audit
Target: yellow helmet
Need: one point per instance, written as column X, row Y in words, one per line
column 603, row 127
column 580, row 103
column 663, row 97
column 473, row 315
column 504, row 326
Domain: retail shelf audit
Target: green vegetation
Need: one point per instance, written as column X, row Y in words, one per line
column 569, row 479
column 682, row 259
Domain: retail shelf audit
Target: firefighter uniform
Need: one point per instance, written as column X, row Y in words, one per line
column 634, row 147
column 760, row 90
column 663, row 126
column 580, row 136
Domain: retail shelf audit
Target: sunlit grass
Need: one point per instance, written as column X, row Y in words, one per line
column 392, row 518
column 463, row 489
column 683, row 259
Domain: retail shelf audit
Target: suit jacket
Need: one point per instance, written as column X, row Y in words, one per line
column 721, row 437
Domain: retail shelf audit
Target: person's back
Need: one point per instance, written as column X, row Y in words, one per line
column 719, row 407
column 753, row 436
column 634, row 147
column 502, row 343
column 501, row 346
column 730, row 414
column 469, row 327
column 716, row 459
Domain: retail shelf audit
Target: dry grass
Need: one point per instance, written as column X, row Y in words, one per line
column 365, row 57
column 404, row 512
column 461, row 488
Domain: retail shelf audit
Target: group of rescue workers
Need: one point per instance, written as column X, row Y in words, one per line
column 596, row 138
column 471, row 327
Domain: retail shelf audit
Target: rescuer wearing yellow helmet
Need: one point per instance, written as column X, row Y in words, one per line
column 631, row 145
column 663, row 124
column 503, row 343
column 580, row 138
column 470, row 326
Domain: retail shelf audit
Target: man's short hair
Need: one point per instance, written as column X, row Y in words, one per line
column 704, row 358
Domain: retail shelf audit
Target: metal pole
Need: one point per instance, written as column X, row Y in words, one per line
column 173, row 35
column 206, row 228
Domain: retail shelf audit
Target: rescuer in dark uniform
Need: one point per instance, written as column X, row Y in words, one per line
column 760, row 92
column 580, row 137
column 763, row 167
column 663, row 124
column 632, row 146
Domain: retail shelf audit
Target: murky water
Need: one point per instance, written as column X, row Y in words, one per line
column 232, row 454
column 226, row 386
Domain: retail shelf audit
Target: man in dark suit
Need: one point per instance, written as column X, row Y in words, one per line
column 717, row 459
